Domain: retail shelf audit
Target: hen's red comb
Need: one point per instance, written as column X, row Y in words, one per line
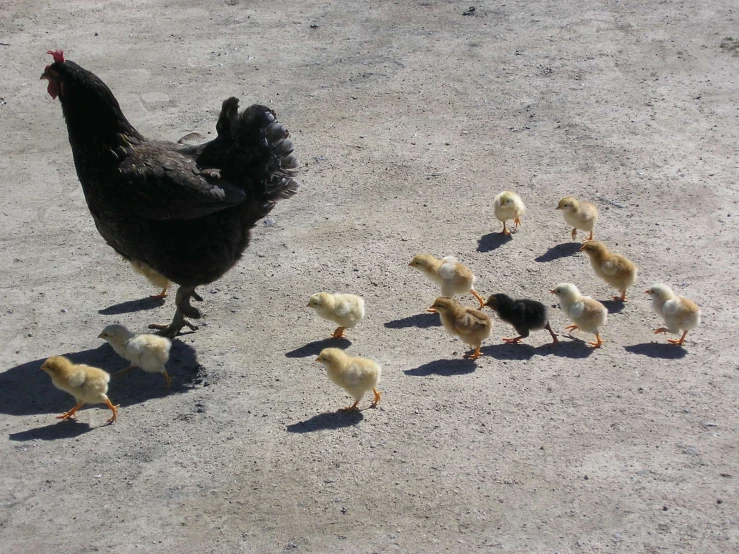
column 58, row 55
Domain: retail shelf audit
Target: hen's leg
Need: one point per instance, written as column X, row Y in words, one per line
column 184, row 309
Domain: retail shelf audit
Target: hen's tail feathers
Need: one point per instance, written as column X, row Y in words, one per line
column 254, row 151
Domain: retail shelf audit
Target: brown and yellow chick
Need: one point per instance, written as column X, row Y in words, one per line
column 355, row 375
column 156, row 279
column 88, row 385
column 678, row 313
column 453, row 276
column 470, row 325
column 580, row 214
column 508, row 205
column 587, row 314
column 615, row 269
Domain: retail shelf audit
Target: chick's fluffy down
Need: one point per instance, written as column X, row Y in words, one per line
column 356, row 375
column 346, row 310
column 149, row 352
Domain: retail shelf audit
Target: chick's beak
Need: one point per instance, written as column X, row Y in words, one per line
column 100, row 336
column 317, row 359
column 431, row 309
column 553, row 291
column 648, row 292
column 581, row 248
column 307, row 305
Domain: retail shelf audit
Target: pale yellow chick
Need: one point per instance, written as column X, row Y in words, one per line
column 587, row 314
column 615, row 269
column 508, row 205
column 344, row 309
column 679, row 313
column 153, row 277
column 149, row 352
column 580, row 214
column 470, row 325
column 453, row 276
column 357, row 376
column 88, row 385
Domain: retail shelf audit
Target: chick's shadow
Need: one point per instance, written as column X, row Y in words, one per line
column 326, row 421
column 573, row 348
column 559, row 251
column 314, row 348
column 61, row 430
column 129, row 306
column 447, row 368
column 492, row 241
column 663, row 350
column 420, row 321
column 26, row 390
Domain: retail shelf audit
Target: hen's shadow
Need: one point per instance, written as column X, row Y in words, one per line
column 492, row 241
column 559, row 251
column 421, row 321
column 61, row 430
column 129, row 306
column 328, row 420
column 26, row 390
column 314, row 348
column 663, row 350
column 447, row 368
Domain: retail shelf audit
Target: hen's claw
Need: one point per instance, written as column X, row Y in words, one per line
column 184, row 309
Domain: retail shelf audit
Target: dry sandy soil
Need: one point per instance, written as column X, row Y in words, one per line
column 408, row 118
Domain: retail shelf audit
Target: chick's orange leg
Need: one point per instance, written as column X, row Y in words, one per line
column 555, row 340
column 571, row 328
column 679, row 341
column 71, row 413
column 661, row 330
column 517, row 221
column 480, row 299
column 514, row 340
column 505, row 230
column 476, row 354
column 376, row 401
column 574, row 233
column 161, row 295
column 598, row 341
column 123, row 371
column 621, row 298
column 351, row 408
column 587, row 239
column 113, row 409
column 339, row 333
column 167, row 379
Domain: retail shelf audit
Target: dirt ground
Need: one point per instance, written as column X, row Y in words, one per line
column 408, row 118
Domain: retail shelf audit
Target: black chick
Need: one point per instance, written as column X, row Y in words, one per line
column 184, row 211
column 525, row 316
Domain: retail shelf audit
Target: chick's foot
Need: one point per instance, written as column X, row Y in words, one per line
column 476, row 354
column 339, row 333
column 351, row 408
column 376, row 401
column 514, row 340
column 71, row 413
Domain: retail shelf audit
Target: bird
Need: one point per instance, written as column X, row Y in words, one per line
column 525, row 315
column 615, row 269
column 356, row 375
column 149, row 352
column 183, row 210
column 88, row 385
column 345, row 309
column 580, row 214
column 587, row 314
column 159, row 281
column 508, row 205
column 470, row 325
column 678, row 312
column 453, row 276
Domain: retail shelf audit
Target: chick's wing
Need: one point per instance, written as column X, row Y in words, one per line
column 158, row 182
column 471, row 321
column 77, row 378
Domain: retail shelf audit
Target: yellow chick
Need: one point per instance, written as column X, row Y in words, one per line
column 508, row 205
column 356, row 375
column 453, row 276
column 679, row 313
column 587, row 314
column 149, row 352
column 615, row 269
column 470, row 325
column 581, row 215
column 88, row 385
column 345, row 309
column 154, row 278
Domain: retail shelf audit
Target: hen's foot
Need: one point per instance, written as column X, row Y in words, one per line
column 172, row 330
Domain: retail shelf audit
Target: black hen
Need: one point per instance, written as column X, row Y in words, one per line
column 185, row 211
column 525, row 315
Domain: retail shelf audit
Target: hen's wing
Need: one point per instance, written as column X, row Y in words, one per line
column 158, row 181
